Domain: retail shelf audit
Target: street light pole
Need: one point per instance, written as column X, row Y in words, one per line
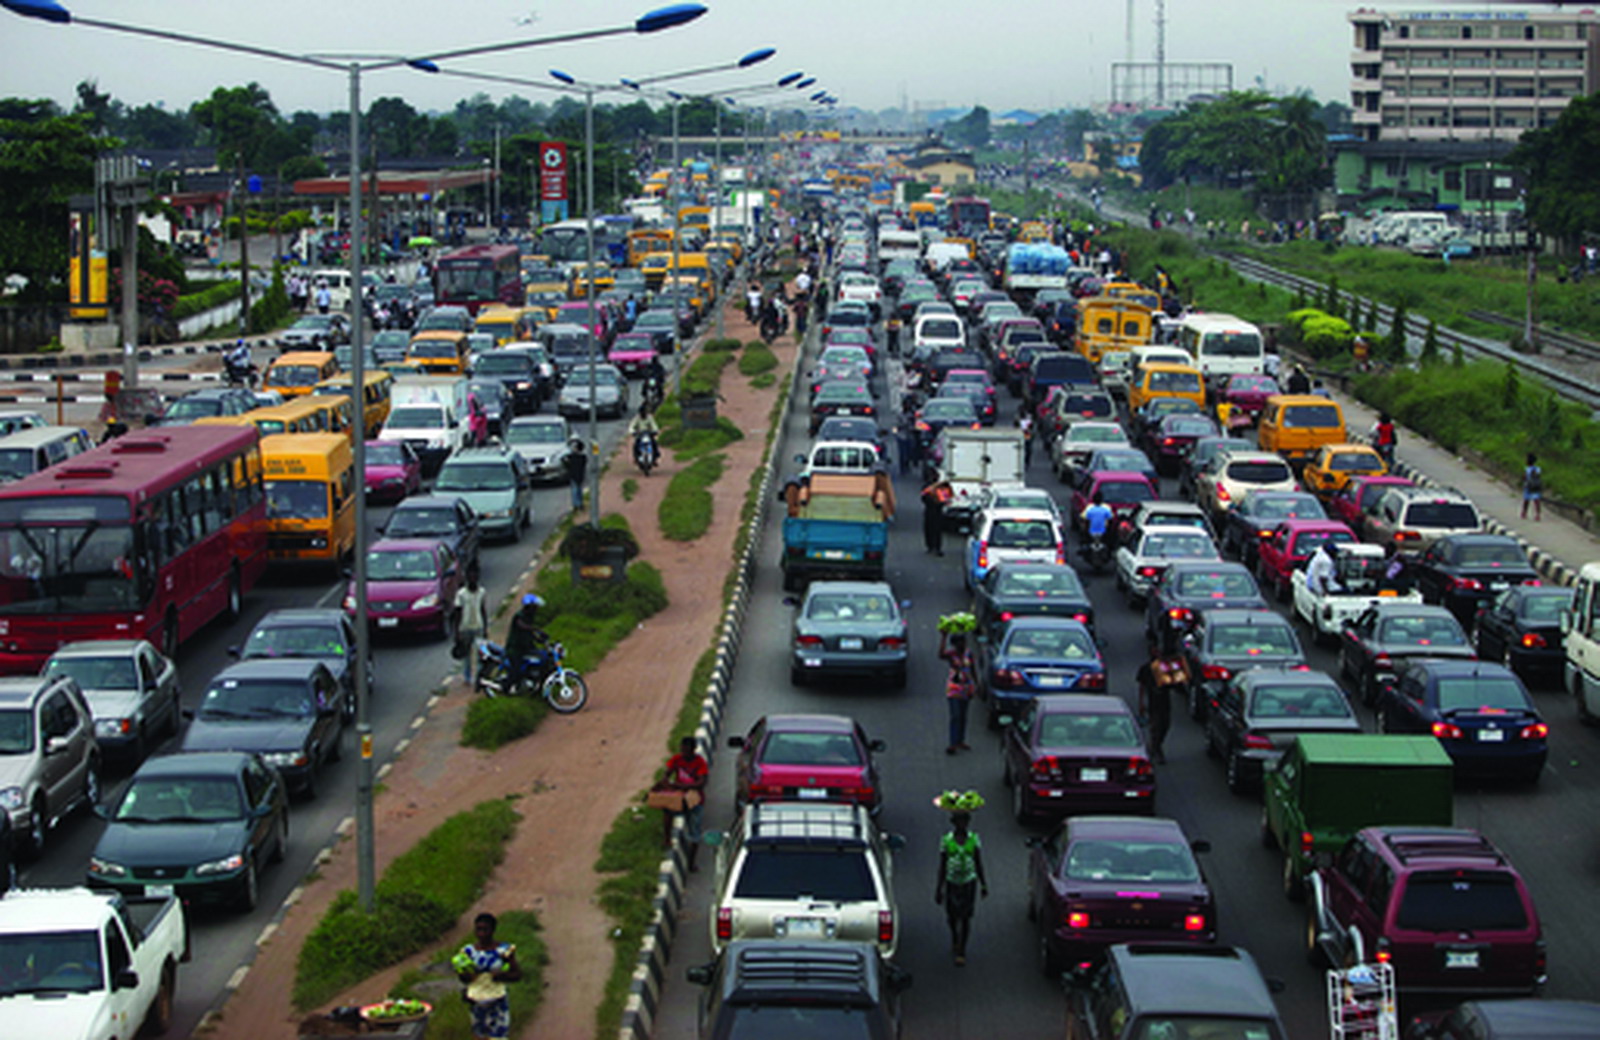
column 594, row 404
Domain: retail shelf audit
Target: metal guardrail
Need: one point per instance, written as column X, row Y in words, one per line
column 1570, row 385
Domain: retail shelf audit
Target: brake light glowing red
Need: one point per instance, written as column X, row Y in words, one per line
column 1007, row 678
column 1534, row 641
column 1537, row 731
column 725, row 923
column 1181, row 614
column 1149, row 572
column 1139, row 768
column 1084, row 618
column 885, row 926
column 1047, row 767
column 808, row 640
column 983, row 555
column 1407, row 536
column 1222, row 493
column 1307, row 842
column 1077, row 919
column 891, row 643
column 1257, row 741
column 1092, row 681
column 1467, row 584
column 1194, row 923
column 1006, row 615
column 1446, row 731
column 1217, row 672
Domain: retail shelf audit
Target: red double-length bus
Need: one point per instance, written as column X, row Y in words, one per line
column 473, row 276
column 149, row 536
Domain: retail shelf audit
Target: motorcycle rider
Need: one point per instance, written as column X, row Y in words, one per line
column 238, row 363
column 655, row 378
column 644, row 429
column 525, row 636
column 1097, row 517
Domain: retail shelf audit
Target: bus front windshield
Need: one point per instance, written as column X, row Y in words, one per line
column 67, row 568
column 467, row 282
column 296, row 500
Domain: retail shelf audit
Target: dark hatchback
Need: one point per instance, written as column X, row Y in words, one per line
column 1374, row 645
column 287, row 711
column 1462, row 572
column 1258, row 514
column 1522, row 629
column 314, row 633
column 1150, row 990
column 841, row 398
column 1012, row 590
column 1069, row 754
column 443, row 518
column 200, row 826
column 1186, row 589
column 1227, row 642
column 1480, row 712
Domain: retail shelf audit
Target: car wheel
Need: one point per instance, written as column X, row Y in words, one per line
column 1264, row 831
column 250, row 891
column 1235, row 773
column 159, row 1018
column 1382, row 721
column 1019, row 807
column 1314, row 954
column 175, row 720
column 37, row 828
column 235, row 596
column 797, row 676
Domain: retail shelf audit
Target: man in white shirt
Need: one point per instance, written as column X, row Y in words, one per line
column 1321, row 575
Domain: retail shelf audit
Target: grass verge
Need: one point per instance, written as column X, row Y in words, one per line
column 630, row 488
column 686, row 509
column 629, row 856
column 436, row 982
column 419, row 898
column 688, row 444
column 492, row 722
column 757, row 359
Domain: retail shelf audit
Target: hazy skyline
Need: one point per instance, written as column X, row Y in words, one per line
column 869, row 53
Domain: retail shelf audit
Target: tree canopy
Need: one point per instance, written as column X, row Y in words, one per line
column 1244, row 137
column 1559, row 163
column 45, row 159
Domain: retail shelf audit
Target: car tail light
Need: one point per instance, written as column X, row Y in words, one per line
column 1383, row 953
column 807, row 640
column 1006, row 615
column 1407, row 536
column 1081, row 618
column 1536, row 731
column 874, row 554
column 1183, row 614
column 1216, row 672
column 1263, row 535
column 864, row 795
column 1139, row 768
column 885, row 926
column 1047, row 767
column 1467, row 584
column 1092, row 681
column 891, row 643
column 983, row 554
column 725, row 923
column 1061, row 554
column 1167, row 442
column 1194, row 922
column 1149, row 572
column 1382, row 661
column 1534, row 641
column 1222, row 493
column 1447, row 731
column 1257, row 742
column 1007, row 678
column 1539, row 960
column 1308, row 842
column 1077, row 919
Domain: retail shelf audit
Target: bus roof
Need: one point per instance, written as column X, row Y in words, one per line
column 480, row 251
column 137, row 464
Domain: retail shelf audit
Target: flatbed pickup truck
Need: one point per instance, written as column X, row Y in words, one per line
column 837, row 527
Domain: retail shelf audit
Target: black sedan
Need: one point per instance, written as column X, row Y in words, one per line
column 659, row 325
column 1171, row 437
column 1013, row 590
column 288, row 711
column 318, row 634
column 1521, row 628
column 1227, row 642
column 444, row 518
column 1257, row 513
column 853, row 428
column 1186, row 589
column 1479, row 711
column 838, row 397
column 945, row 411
column 1373, row 645
column 1258, row 714
column 199, row 825
column 1465, row 571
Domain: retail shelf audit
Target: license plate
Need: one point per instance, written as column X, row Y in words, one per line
column 388, row 622
column 843, row 411
column 833, row 554
column 159, row 891
column 1461, row 958
column 816, row 793
column 811, row 662
column 1497, row 586
column 1092, row 776
column 1491, row 735
column 850, row 644
column 805, row 927
column 1051, row 681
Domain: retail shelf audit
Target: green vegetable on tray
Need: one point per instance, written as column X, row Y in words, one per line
column 959, row 801
column 961, row 621
column 396, row 1009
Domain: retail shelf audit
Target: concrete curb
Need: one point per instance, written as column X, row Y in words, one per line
column 649, row 974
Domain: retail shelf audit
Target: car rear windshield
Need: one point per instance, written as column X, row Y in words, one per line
column 1263, row 472
column 941, row 330
column 1350, row 461
column 1023, row 534
column 1296, row 507
column 1038, row 582
column 1085, row 434
column 850, row 606
column 1131, row 861
column 1308, row 416
column 1491, row 555
column 809, row 1016
column 1299, row 702
column 1056, row 644
column 504, row 363
column 1461, row 901
column 1212, row 1027
column 475, row 476
column 811, row 749
column 1175, row 544
column 1545, row 610
column 1251, row 640
column 1174, row 382
column 1421, row 631
column 829, row 875
column 1087, row 731
column 1216, row 584
column 1125, row 491
column 1230, row 344
column 1483, row 691
column 535, row 433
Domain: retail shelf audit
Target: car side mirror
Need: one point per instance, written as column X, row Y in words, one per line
column 102, row 811
column 1200, row 845
column 235, row 652
column 736, row 742
column 877, row 745
column 1006, row 720
column 699, row 974
column 127, row 978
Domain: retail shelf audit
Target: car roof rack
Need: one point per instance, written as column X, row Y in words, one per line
column 819, row 825
column 1408, row 844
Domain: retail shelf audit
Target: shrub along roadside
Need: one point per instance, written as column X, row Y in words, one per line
column 629, row 856
column 686, row 509
column 757, row 358
column 436, row 982
column 419, row 898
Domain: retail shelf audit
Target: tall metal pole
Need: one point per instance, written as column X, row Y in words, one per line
column 716, row 209
column 588, row 238
column 677, row 235
column 365, row 845
column 496, row 177
column 244, row 252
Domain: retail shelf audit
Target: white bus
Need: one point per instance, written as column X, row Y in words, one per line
column 897, row 244
column 1221, row 345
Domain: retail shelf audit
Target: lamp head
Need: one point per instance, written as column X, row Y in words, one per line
column 756, row 57
column 803, row 84
column 44, row 10
column 423, row 65
column 668, row 17
column 819, row 95
column 630, row 84
column 563, row 77
column 791, row 78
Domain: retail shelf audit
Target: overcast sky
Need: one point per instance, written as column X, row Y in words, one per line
column 1033, row 54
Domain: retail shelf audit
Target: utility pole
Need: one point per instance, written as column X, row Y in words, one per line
column 244, row 251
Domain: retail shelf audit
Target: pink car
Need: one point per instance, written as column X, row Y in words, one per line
column 411, row 587
column 826, row 758
column 1123, row 491
column 393, row 471
column 1360, row 494
column 1248, row 394
column 632, row 353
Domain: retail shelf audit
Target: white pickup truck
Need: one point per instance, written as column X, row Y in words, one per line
column 1359, row 567
column 78, row 964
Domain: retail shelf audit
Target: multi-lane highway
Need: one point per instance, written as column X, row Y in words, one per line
column 1548, row 831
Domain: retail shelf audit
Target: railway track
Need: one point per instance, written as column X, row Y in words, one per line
column 1547, row 337
column 1576, row 377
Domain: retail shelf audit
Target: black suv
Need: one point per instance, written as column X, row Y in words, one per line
column 771, row 987
column 1166, row 989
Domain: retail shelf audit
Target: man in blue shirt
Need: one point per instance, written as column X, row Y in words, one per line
column 1097, row 518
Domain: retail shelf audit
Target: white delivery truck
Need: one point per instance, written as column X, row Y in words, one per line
column 1580, row 636
column 430, row 413
column 82, row 964
column 974, row 461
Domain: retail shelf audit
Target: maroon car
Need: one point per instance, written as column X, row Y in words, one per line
column 1360, row 494
column 1248, row 393
column 632, row 353
column 1123, row 491
column 1071, row 753
column 1171, row 437
column 411, row 587
column 825, row 758
column 1102, row 880
column 393, row 471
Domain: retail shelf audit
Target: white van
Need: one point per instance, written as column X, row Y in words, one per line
column 429, row 413
column 1221, row 345
column 30, row 451
column 936, row 331
column 898, row 244
column 1397, row 229
column 942, row 254
column 338, row 281
column 1580, row 630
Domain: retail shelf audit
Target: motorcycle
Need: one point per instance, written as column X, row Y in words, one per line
column 240, row 375
column 1097, row 551
column 541, row 674
column 651, row 393
column 646, row 453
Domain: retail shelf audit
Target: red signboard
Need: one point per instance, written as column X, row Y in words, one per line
column 552, row 171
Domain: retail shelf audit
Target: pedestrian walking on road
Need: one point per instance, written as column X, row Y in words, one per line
column 577, row 469
column 958, row 687
column 1158, row 678
column 1384, row 439
column 934, row 497
column 961, row 878
column 486, row 965
column 472, row 613
column 1533, row 488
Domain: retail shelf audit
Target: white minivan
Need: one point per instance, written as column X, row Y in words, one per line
column 936, row 332
column 1222, row 345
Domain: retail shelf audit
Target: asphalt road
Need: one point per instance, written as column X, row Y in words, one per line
column 1546, row 831
column 407, row 673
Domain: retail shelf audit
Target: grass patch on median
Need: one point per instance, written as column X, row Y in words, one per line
column 629, row 857
column 492, row 722
column 762, row 382
column 686, row 509
column 692, row 444
column 436, row 982
column 419, row 898
column 757, row 359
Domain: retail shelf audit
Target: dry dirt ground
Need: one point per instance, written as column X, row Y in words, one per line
column 575, row 773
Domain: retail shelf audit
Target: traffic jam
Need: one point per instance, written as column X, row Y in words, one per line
column 1073, row 540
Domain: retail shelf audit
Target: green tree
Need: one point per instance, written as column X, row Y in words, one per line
column 1430, row 345
column 392, row 125
column 1396, row 343
column 101, row 108
column 45, row 159
column 244, row 126
column 151, row 126
column 1559, row 163
column 971, row 130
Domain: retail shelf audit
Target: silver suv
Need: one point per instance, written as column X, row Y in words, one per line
column 805, row 871
column 49, row 759
column 1413, row 518
column 494, row 481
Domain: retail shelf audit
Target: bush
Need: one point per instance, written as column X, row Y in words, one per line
column 590, row 618
column 704, row 374
column 686, row 508
column 452, row 1018
column 204, row 300
column 584, row 542
column 757, row 358
column 1322, row 335
column 720, row 346
column 420, row 897
column 496, row 721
